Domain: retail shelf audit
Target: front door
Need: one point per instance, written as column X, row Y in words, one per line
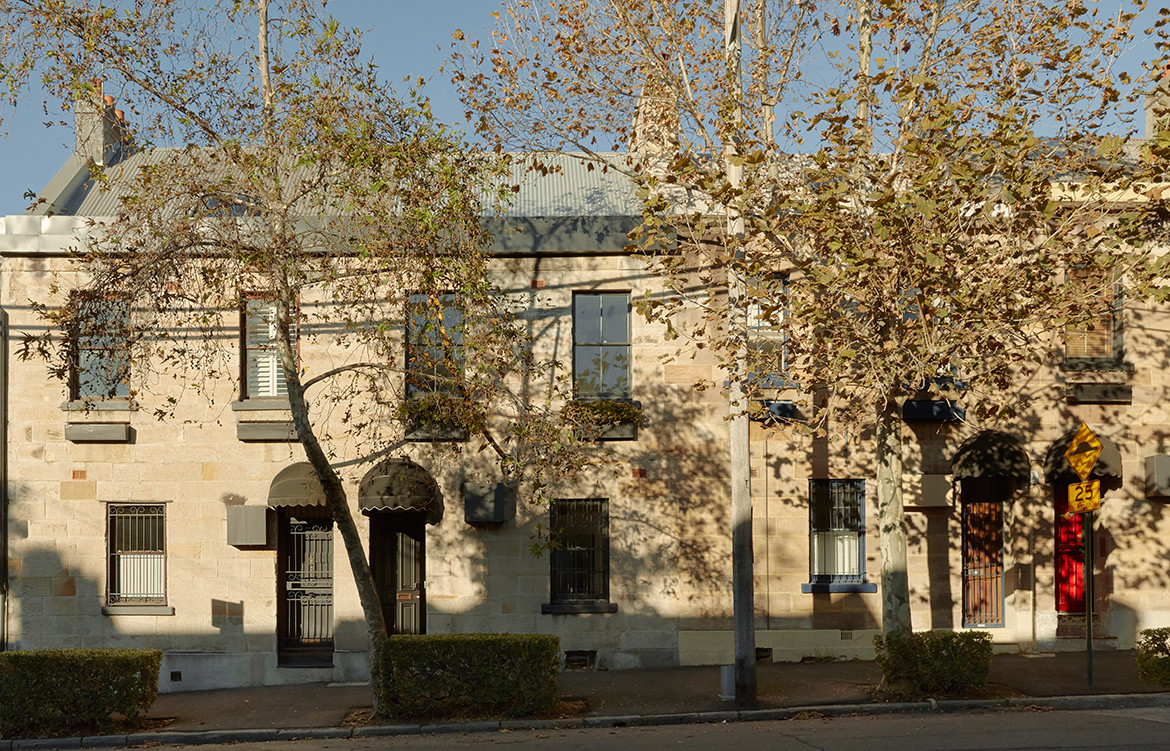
column 398, row 562
column 304, row 587
column 1070, row 556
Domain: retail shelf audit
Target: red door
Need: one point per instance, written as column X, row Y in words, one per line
column 1070, row 557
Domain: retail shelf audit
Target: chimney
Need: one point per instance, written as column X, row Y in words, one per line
column 656, row 122
column 1158, row 102
column 100, row 128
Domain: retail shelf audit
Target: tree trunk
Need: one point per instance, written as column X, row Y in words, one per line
column 742, row 572
column 285, row 298
column 891, row 521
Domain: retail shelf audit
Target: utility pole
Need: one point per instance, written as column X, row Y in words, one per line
column 742, row 574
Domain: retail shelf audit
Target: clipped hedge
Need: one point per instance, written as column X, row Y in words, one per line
column 935, row 662
column 1152, row 653
column 55, row 690
column 461, row 675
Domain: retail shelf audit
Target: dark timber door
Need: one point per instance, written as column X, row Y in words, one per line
column 305, row 587
column 398, row 560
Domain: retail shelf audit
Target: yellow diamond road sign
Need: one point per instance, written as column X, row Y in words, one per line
column 1083, row 452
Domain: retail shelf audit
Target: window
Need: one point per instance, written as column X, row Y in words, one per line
column 434, row 344
column 1097, row 342
column 983, row 499
column 263, row 375
column 601, row 345
column 767, row 311
column 101, row 339
column 579, row 562
column 137, row 554
column 837, row 537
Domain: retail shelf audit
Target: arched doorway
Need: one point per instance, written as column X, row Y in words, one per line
column 400, row 498
column 989, row 468
column 1068, row 532
column 304, row 568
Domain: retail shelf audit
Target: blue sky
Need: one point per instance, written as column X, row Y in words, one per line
column 404, row 38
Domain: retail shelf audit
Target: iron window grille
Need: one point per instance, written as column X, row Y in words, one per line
column 579, row 563
column 263, row 375
column 136, row 539
column 837, row 536
column 601, row 345
column 101, row 348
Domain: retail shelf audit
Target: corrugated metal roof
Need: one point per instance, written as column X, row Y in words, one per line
column 567, row 187
column 571, row 185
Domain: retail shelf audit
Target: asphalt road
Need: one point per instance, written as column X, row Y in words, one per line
column 1023, row 730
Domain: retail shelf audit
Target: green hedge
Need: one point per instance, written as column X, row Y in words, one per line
column 55, row 690
column 1152, row 652
column 461, row 675
column 935, row 662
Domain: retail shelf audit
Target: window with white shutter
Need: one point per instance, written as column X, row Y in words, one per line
column 263, row 375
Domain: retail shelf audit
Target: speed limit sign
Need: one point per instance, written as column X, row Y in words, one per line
column 1084, row 496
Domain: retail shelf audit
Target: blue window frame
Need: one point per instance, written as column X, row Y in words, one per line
column 836, row 537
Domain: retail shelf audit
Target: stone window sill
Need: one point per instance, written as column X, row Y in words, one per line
column 578, row 608
column 137, row 610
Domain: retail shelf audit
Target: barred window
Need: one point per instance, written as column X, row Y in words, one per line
column 263, row 374
column 137, row 554
column 579, row 565
column 837, row 536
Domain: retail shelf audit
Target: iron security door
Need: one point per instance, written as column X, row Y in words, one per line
column 398, row 560
column 305, row 587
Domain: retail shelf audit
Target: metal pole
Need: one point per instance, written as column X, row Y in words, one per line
column 1087, row 533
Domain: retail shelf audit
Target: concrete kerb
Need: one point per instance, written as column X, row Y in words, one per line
column 200, row 737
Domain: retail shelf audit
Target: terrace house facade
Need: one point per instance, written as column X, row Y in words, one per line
column 203, row 535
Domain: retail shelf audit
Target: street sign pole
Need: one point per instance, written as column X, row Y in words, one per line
column 1087, row 532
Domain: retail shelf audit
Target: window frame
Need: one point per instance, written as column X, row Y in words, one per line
column 413, row 343
column 1116, row 358
column 764, row 334
column 588, row 518
column 820, row 582
column 118, row 599
column 578, row 344
column 78, row 388
column 247, row 348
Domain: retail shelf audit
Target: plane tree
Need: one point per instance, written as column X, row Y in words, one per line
column 924, row 190
column 265, row 167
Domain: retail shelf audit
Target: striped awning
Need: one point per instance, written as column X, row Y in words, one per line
column 296, row 485
column 991, row 454
column 401, row 485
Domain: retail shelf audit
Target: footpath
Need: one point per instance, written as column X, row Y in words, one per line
column 634, row 697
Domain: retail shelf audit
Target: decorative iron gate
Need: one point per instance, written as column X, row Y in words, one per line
column 305, row 599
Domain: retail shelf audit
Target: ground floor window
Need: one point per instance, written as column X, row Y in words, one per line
column 836, row 515
column 579, row 559
column 983, row 500
column 136, row 540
